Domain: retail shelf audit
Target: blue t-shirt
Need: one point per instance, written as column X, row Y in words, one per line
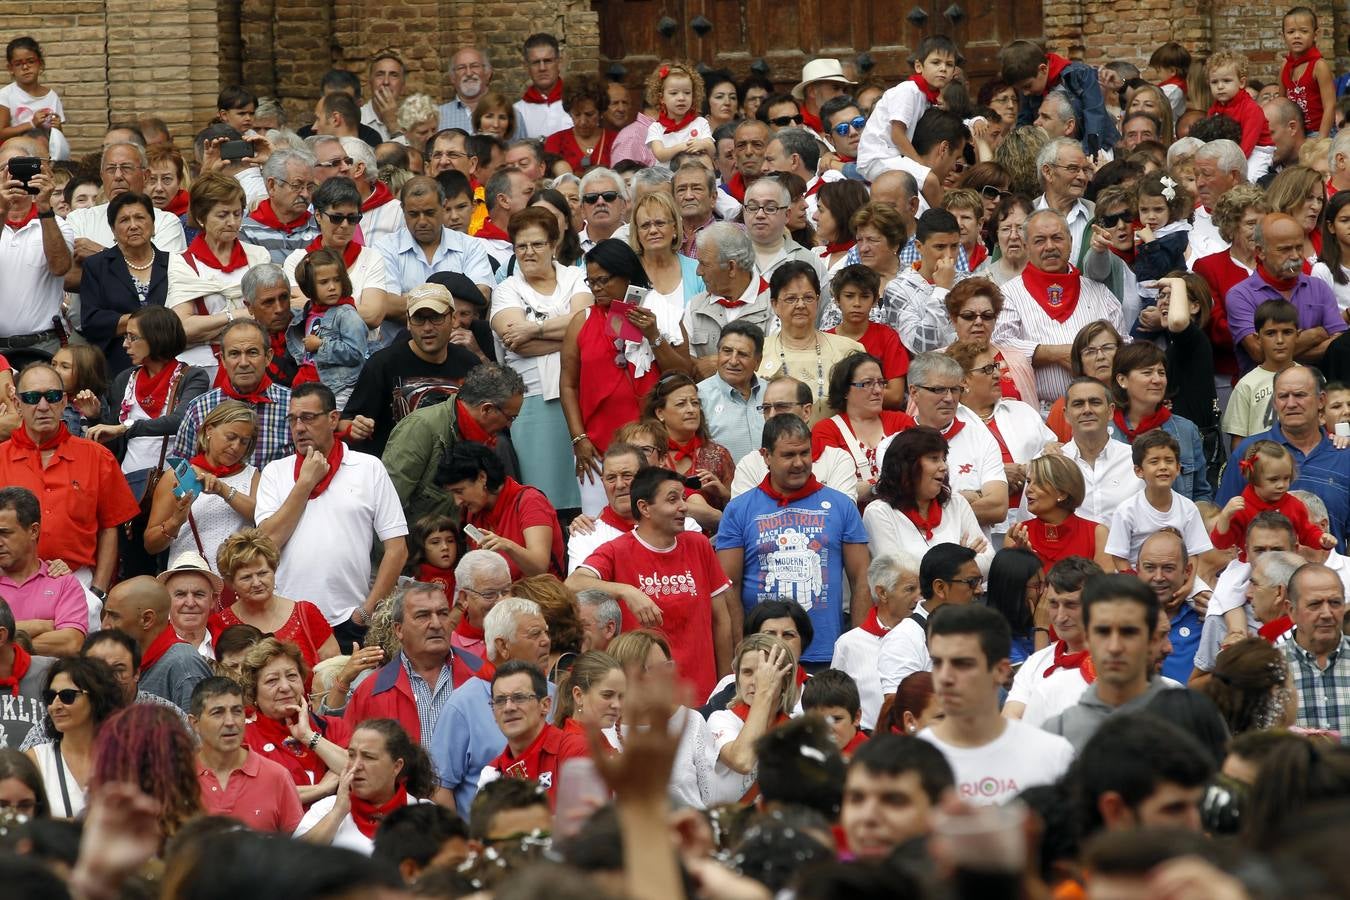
column 796, row 553
column 1185, row 637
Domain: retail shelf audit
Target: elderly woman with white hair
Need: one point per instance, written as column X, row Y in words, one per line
column 381, row 213
column 482, row 577
column 417, row 120
column 894, row 582
column 466, row 737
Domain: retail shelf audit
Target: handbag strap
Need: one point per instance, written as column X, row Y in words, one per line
column 178, row 379
column 192, row 523
column 61, row 779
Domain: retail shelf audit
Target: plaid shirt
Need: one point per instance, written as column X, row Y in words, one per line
column 430, row 701
column 274, row 437
column 1323, row 693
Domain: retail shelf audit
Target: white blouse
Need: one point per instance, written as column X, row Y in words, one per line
column 891, row 532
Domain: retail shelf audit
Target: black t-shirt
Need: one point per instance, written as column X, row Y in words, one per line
column 1190, row 375
column 395, row 381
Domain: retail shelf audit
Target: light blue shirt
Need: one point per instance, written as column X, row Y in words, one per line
column 733, row 420
column 407, row 265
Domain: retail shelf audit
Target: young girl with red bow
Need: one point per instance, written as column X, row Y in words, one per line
column 676, row 91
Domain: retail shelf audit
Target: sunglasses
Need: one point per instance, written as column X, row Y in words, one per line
column 334, row 163
column 66, row 696
column 32, row 398
column 1112, row 221
column 989, row 192
column 607, row 196
column 785, row 121
column 339, row 218
column 856, row 124
column 971, row 316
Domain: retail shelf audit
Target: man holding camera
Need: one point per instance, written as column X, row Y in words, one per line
column 33, row 293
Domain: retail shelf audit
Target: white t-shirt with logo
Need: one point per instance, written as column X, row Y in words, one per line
column 1022, row 757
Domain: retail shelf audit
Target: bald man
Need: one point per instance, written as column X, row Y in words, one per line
column 1279, row 249
column 170, row 668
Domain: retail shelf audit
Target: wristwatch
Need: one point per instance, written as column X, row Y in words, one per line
column 98, row 592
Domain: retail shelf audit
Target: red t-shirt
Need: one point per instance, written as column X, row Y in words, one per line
column 519, row 507
column 681, row 581
column 271, row 739
column 883, row 343
column 1072, row 537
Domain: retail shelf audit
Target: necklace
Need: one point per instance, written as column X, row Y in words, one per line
column 820, row 364
column 134, row 267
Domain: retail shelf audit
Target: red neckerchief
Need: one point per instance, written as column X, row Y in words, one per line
column 1151, row 421
column 834, row 247
column 814, row 187
column 925, row 524
column 1272, row 631
column 368, row 816
column 489, row 231
column 686, row 450
column 279, row 352
column 158, row 647
column 22, row 438
column 525, row 766
column 257, row 395
column 468, row 631
column 845, row 159
column 378, row 197
column 1292, row 62
column 802, row 675
column 1054, row 65
column 872, row 624
column 265, row 215
column 152, row 391
column 534, row 95
column 1056, row 293
column 469, row 429
column 728, row 303
column 812, row 485
column 198, row 251
column 430, row 574
column 671, row 126
column 334, row 461
column 859, row 738
column 17, row 670
column 616, row 521
column 1283, row 285
column 742, row 712
column 1176, row 81
column 736, row 186
column 992, row 425
column 507, row 498
column 976, row 256
column 953, row 429
column 812, row 121
column 275, row 732
column 201, row 462
column 1126, row 255
column 929, row 92
column 16, row 224
column 178, row 203
column 349, row 253
column 1082, row 661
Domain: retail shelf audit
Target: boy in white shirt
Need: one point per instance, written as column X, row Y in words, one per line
column 1157, row 461
column 1249, row 411
column 887, row 132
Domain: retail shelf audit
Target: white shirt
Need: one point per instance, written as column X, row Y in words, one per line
column 1047, row 697
column 1342, row 291
column 1080, row 214
column 834, row 469
column 367, row 272
column 541, row 373
column 856, row 653
column 890, row 531
column 1230, row 590
column 903, row 651
column 347, row 836
column 1025, row 434
column 32, row 294
column 973, row 457
column 1022, row 757
column 1135, row 519
column 371, row 120
column 813, row 186
column 1205, row 237
column 327, row 559
column 728, row 785
column 92, row 223
column 1024, row 326
column 254, row 185
column 904, row 103
column 539, row 120
column 698, row 128
column 385, row 219
column 180, row 270
column 1110, row 480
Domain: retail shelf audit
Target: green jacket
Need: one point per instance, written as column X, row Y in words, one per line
column 414, row 452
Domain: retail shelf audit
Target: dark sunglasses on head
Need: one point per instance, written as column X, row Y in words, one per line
column 989, row 192
column 785, row 121
column 339, row 218
column 32, row 398
column 1113, row 220
column 856, row 123
column 66, row 696
column 607, row 196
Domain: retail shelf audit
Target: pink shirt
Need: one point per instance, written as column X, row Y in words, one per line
column 42, row 596
column 631, row 142
column 260, row 794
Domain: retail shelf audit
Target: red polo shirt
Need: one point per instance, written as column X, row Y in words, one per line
column 542, row 760
column 81, row 491
column 260, row 794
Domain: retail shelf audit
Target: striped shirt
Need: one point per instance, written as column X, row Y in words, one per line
column 279, row 244
column 274, row 436
column 430, row 700
column 1323, row 693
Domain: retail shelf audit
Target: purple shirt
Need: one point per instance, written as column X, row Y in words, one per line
column 1312, row 297
column 42, row 596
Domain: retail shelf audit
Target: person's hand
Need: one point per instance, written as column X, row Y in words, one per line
column 1339, row 441
column 211, row 160
column 644, row 320
column 181, row 506
column 1018, row 535
column 57, row 567
column 1328, row 541
column 775, row 668
column 361, row 659
column 385, row 104
column 1016, row 473
column 831, row 161
column 980, row 129
column 643, row 608
column 1150, row 318
column 312, row 343
column 944, row 273
column 312, row 470
column 582, row 524
column 210, row 483
column 363, row 428
column 343, row 797
column 589, row 463
column 12, row 192
column 463, row 337
column 975, row 542
column 1230, row 509
column 515, row 335
column 87, row 404
column 1231, row 638
column 1101, row 239
column 45, row 185
column 85, row 248
column 297, row 720
column 712, row 485
column 105, row 434
column 121, row 833
column 1144, row 235
column 714, row 879
column 262, row 149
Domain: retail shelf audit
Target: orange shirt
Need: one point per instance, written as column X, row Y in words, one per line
column 81, row 491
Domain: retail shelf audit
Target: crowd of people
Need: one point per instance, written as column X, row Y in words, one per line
column 859, row 489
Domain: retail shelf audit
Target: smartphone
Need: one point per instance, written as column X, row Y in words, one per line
column 1092, row 143
column 693, row 482
column 187, row 477
column 236, row 150
column 635, row 295
column 474, row 532
column 23, row 168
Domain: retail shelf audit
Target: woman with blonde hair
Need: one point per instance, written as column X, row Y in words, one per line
column 590, row 696
column 1148, row 98
column 1017, row 155
column 1055, row 489
column 766, row 693
column 1300, row 192
column 656, row 235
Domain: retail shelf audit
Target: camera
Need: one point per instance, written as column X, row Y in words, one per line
column 23, row 168
column 233, row 151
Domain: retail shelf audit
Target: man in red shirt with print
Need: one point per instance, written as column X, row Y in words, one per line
column 535, row 750
column 667, row 578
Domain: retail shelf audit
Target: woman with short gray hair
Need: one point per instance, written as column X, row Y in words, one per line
column 894, row 581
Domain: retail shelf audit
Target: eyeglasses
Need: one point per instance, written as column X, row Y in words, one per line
column 607, row 196
column 532, row 247
column 306, row 418
column 32, row 398
column 870, row 384
column 989, row 192
column 300, row 187
column 991, row 370
column 942, row 391
column 489, row 595
column 504, row 414
column 972, row 316
column 1074, row 170
column 785, row 121
column 598, row 281
column 520, row 698
column 22, row 808
column 803, row 300
column 67, row 696
column 1100, row 350
column 775, row 408
column 769, row 209
column 334, row 163
column 1113, row 220
column 123, row 169
column 856, row 124
column 973, row 582
column 959, row 167
column 650, row 450
column 421, row 317
column 130, row 338
column 339, row 218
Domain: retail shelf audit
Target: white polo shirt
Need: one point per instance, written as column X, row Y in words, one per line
column 92, row 224
column 327, row 559
column 903, row 651
column 32, row 294
column 1110, row 480
column 856, row 653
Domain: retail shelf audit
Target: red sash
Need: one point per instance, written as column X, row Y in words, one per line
column 468, row 631
column 615, row 521
column 834, row 247
column 178, row 203
column 742, row 711
column 1056, row 293
column 736, row 186
column 1271, row 631
column 334, row 460
column 158, row 647
column 201, row 462
column 929, row 92
column 489, row 231
column 378, row 197
column 953, row 429
column 257, row 395
column 1283, row 285
column 680, row 451
column 925, row 524
column 22, row 438
column 469, row 429
column 201, row 253
column 152, row 391
column 1054, row 65
column 17, row 670
column 1148, row 423
column 349, row 253
column 534, row 95
column 368, row 816
column 872, row 624
column 1082, row 660
column 1176, row 81
column 265, row 215
column 16, row 224
column 671, row 126
column 812, row 485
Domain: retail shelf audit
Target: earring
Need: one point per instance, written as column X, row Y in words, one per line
column 913, row 729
